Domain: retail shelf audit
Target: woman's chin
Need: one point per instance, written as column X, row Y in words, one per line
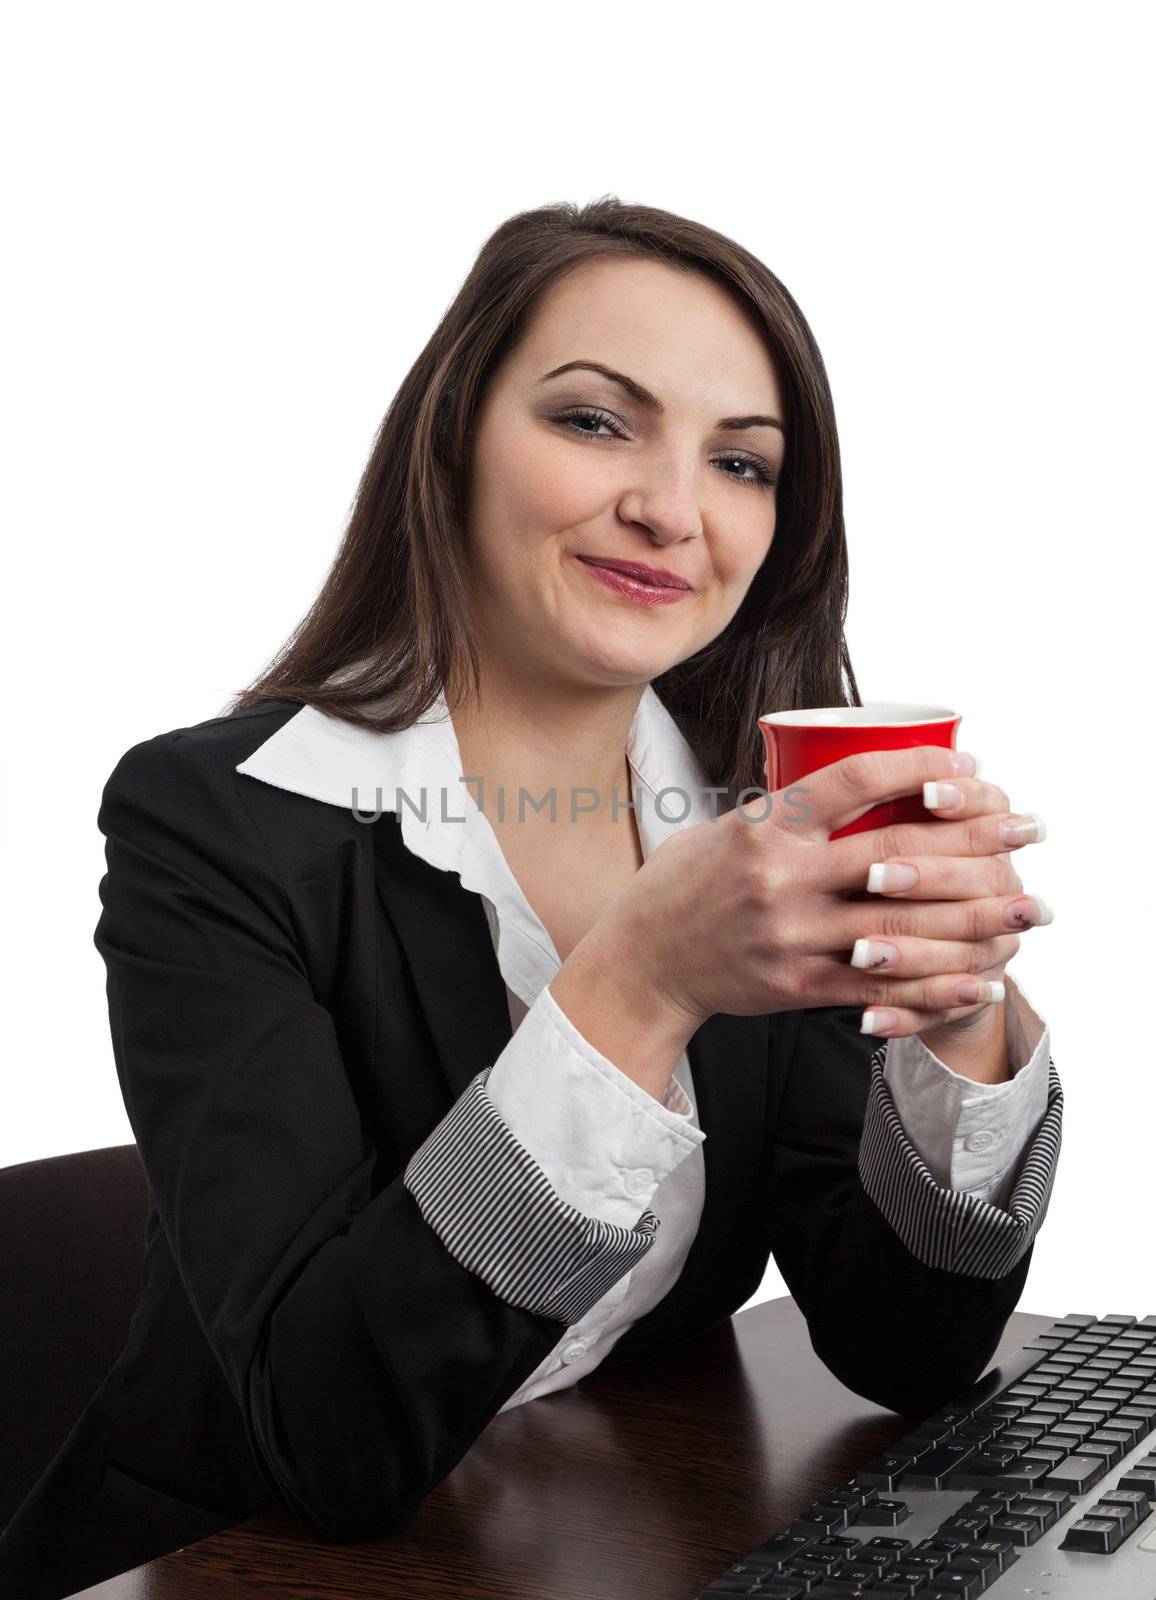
column 616, row 663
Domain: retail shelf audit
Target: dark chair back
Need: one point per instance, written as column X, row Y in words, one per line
column 72, row 1237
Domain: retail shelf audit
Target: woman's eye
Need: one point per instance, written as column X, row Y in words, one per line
column 576, row 416
column 763, row 477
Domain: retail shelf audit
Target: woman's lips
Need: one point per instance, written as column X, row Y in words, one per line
column 647, row 594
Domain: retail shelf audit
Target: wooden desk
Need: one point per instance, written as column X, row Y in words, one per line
column 640, row 1485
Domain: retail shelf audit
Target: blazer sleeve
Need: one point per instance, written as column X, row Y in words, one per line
column 605, row 1142
column 906, row 1284
column 364, row 1355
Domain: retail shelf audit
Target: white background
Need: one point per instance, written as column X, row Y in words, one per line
column 231, row 229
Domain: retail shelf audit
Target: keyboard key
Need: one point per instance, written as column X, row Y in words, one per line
column 992, row 1500
column 964, row 1585
column 933, row 1470
column 968, row 1526
column 953, row 1414
column 1002, row 1551
column 1129, row 1415
column 1108, row 1453
column 886, row 1590
column 911, row 1572
column 1099, row 1535
column 888, row 1547
column 819, row 1520
column 856, row 1572
column 1066, row 1430
column 884, row 1514
column 741, row 1578
column 1132, row 1500
column 983, row 1508
column 1025, row 1507
column 1043, row 1515
column 1059, row 1498
column 982, row 1468
column 1077, row 1474
column 853, row 1499
column 781, row 1549
column 931, row 1555
column 885, row 1471
column 1141, row 1477
column 806, row 1570
column 1019, row 1530
column 1025, row 1472
column 878, row 1561
column 727, row 1585
column 842, row 1591
column 1113, row 1435
column 978, row 1560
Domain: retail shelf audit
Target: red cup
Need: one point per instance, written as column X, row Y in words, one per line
column 801, row 742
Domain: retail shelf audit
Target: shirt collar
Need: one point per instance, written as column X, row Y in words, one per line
column 328, row 759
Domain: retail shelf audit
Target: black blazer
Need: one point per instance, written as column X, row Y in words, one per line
column 295, row 1001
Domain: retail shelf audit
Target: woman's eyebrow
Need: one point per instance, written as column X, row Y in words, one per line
column 652, row 402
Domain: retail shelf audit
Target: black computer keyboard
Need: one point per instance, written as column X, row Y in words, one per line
column 1040, row 1481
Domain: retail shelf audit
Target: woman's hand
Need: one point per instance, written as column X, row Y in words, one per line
column 754, row 912
column 945, row 877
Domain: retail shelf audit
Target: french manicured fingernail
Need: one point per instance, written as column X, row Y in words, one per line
column 1031, row 912
column 873, row 953
column 877, row 1021
column 942, row 796
column 1027, row 828
column 972, row 990
column 886, row 875
column 964, row 764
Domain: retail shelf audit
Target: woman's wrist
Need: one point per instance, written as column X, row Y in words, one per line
column 606, row 994
column 974, row 1046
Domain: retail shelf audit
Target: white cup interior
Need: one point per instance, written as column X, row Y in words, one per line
column 875, row 714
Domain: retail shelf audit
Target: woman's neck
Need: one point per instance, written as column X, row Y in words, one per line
column 558, row 748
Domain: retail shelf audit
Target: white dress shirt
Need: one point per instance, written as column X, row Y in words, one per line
column 609, row 1148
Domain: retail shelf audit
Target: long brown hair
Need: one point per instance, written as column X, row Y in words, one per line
column 393, row 625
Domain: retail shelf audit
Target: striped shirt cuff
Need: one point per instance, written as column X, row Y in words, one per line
column 944, row 1227
column 498, row 1215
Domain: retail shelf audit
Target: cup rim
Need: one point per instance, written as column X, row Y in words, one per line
column 872, row 714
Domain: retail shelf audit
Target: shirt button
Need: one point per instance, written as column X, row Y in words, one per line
column 985, row 1139
column 575, row 1351
column 638, row 1181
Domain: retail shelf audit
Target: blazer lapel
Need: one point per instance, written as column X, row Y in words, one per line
column 446, row 938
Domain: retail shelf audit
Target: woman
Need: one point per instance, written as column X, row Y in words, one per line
column 445, row 1100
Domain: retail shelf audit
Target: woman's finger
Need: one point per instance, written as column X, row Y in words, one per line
column 919, row 958
column 833, row 982
column 967, row 921
column 945, row 877
column 895, row 1022
column 954, row 798
column 845, row 863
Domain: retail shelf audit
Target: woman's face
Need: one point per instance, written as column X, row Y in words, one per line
column 577, row 465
